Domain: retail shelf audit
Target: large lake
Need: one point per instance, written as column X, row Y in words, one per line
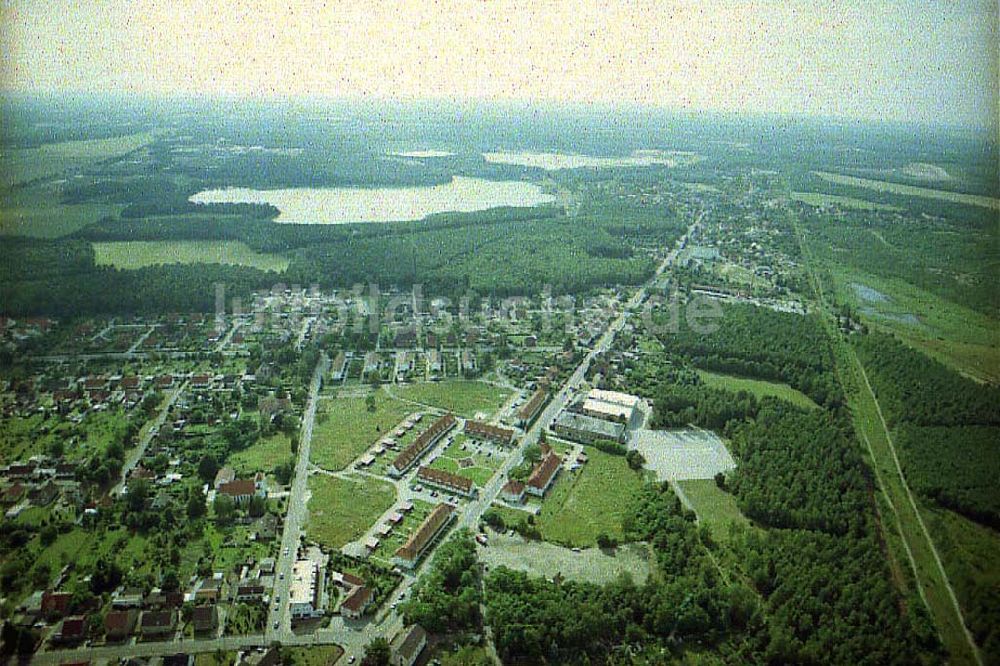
column 343, row 205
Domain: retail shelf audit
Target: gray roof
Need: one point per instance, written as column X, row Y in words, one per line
column 590, row 424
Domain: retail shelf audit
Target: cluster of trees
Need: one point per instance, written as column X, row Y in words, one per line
column 680, row 398
column 799, row 469
column 447, row 598
column 535, row 620
column 758, row 342
column 956, row 466
column 915, row 388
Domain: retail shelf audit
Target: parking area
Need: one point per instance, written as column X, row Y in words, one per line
column 687, row 453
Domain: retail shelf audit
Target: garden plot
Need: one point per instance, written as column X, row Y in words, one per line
column 688, row 453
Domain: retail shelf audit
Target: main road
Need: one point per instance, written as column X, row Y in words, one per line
column 295, row 516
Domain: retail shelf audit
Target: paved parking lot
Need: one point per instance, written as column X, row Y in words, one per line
column 688, row 453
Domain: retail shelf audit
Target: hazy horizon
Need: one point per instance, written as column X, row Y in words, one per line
column 927, row 62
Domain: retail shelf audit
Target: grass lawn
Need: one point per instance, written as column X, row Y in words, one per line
column 316, row 655
column 480, row 472
column 345, row 428
column 217, row 658
column 593, row 500
column 138, row 254
column 463, row 397
column 756, row 387
column 263, row 456
column 715, row 508
column 340, row 511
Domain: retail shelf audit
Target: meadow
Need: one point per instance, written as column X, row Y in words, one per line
column 592, row 501
column 340, row 510
column 756, row 387
column 910, row 190
column 463, row 397
column 345, row 428
column 139, row 254
column 819, row 199
column 715, row 508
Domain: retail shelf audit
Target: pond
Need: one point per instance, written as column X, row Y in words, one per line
column 345, row 205
column 557, row 161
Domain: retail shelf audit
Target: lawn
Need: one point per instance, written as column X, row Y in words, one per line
column 463, row 397
column 340, row 511
column 756, row 387
column 139, row 254
column 345, row 428
column 715, row 508
column 316, row 655
column 593, row 500
column 263, row 456
column 480, row 472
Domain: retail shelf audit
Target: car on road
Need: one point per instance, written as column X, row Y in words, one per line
column 275, row 624
column 351, row 659
column 281, row 576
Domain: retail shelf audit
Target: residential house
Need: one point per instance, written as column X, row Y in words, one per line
column 407, row 645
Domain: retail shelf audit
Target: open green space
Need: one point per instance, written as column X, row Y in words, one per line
column 463, row 397
column 263, row 455
column 36, row 212
column 341, row 510
column 756, row 387
column 818, row 199
column 593, row 500
column 714, row 507
column 315, row 655
column 139, row 254
column 345, row 428
column 21, row 165
column 959, row 337
column 910, row 190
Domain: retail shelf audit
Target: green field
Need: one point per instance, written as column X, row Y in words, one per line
column 593, row 500
column 138, row 254
column 480, row 472
column 714, row 507
column 817, row 199
column 910, row 190
column 460, row 396
column 35, row 211
column 263, row 456
column 340, row 511
column 957, row 336
column 756, row 387
column 22, row 165
column 316, row 655
column 345, row 428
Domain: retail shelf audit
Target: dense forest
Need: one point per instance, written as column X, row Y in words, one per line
column 496, row 253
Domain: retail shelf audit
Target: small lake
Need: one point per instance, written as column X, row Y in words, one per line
column 344, row 205
column 868, row 294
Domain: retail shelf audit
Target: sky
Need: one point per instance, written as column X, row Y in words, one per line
column 927, row 61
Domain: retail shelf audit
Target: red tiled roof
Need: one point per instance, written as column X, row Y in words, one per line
column 238, row 488
column 544, row 471
column 443, row 478
column 357, row 599
column 487, row 431
column 424, row 441
column 428, row 529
